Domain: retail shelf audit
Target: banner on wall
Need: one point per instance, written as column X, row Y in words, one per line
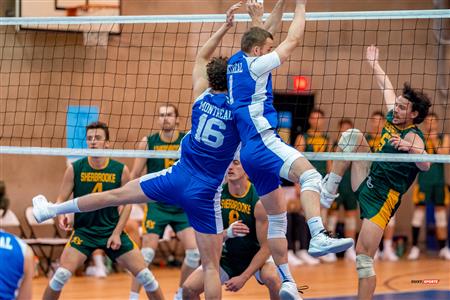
column 78, row 117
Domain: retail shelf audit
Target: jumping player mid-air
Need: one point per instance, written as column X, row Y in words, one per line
column 379, row 186
column 194, row 183
column 264, row 156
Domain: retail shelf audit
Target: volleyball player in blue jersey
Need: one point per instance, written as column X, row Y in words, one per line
column 17, row 265
column 194, row 182
column 264, row 156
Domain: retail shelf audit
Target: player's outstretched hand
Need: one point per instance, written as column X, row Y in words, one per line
column 372, row 54
column 254, row 9
column 231, row 11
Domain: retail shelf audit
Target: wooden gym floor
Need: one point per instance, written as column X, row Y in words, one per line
column 325, row 280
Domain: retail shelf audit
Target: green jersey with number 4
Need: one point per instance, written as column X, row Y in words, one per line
column 88, row 180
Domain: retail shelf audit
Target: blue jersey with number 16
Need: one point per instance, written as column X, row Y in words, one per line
column 209, row 148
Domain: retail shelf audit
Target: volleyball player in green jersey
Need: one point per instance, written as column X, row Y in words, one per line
column 158, row 215
column 373, row 137
column 432, row 189
column 315, row 140
column 101, row 229
column 380, row 185
column 347, row 199
column 245, row 252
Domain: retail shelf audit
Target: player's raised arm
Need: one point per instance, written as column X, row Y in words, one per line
column 256, row 11
column 199, row 77
column 382, row 79
column 273, row 22
column 295, row 33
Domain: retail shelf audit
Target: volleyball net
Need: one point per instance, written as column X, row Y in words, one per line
column 59, row 74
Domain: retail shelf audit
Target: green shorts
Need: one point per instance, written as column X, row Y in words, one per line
column 234, row 267
column 436, row 194
column 158, row 216
column 87, row 243
column 377, row 203
column 347, row 197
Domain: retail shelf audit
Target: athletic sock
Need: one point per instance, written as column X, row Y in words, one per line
column 315, row 226
column 285, row 273
column 134, row 296
column 332, row 183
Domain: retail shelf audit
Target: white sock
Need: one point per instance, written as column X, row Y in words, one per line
column 70, row 206
column 134, row 296
column 285, row 273
column 332, row 184
column 315, row 225
column 180, row 291
column 387, row 244
column 99, row 261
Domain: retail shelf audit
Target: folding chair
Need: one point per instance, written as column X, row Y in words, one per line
column 46, row 235
column 10, row 223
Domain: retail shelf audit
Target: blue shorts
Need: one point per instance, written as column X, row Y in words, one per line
column 265, row 158
column 200, row 200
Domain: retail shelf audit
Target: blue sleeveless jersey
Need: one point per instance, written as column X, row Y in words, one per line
column 250, row 92
column 208, row 149
column 12, row 252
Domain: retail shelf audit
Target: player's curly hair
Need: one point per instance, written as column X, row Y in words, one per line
column 4, row 201
column 420, row 102
column 217, row 73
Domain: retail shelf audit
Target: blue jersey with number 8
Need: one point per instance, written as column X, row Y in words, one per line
column 209, row 148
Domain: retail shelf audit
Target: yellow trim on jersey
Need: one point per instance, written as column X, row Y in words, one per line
column 244, row 194
column 144, row 230
column 417, row 195
column 69, row 240
column 135, row 245
column 102, row 167
column 383, row 216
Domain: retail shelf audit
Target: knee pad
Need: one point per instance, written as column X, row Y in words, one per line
column 418, row 216
column 192, row 258
column 148, row 254
column 147, row 280
column 364, row 266
column 441, row 218
column 277, row 226
column 59, row 279
column 349, row 140
column 311, row 181
column 350, row 223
